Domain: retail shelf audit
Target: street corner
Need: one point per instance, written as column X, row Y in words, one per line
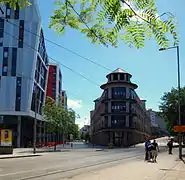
column 18, row 156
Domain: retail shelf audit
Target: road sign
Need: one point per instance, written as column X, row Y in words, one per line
column 179, row 128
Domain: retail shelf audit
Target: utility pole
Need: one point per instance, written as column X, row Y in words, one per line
column 35, row 123
column 179, row 99
column 179, row 104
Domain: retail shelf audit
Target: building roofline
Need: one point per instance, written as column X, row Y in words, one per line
column 119, row 71
column 135, row 86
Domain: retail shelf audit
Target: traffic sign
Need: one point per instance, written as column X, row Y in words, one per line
column 179, row 128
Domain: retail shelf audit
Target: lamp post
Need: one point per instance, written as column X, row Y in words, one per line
column 35, row 122
column 179, row 104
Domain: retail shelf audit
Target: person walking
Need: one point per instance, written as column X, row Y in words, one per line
column 170, row 146
column 154, row 150
column 147, row 154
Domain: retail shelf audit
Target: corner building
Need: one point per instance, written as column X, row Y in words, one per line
column 119, row 116
column 23, row 72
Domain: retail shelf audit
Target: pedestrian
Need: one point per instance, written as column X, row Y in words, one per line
column 147, row 154
column 154, row 150
column 170, row 146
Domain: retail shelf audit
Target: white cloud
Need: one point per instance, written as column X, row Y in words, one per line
column 74, row 103
column 82, row 121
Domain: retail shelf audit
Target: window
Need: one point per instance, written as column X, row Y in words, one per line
column 8, row 12
column 118, row 106
column 5, row 62
column 106, row 107
column 21, row 34
column 41, row 48
column 118, row 121
column 127, row 77
column 106, row 121
column 1, row 31
column 130, row 121
column 122, row 77
column 115, row 77
column 18, row 94
column 14, row 61
column 5, row 69
column 106, row 93
column 5, row 54
column 119, row 92
column 42, row 83
column 53, row 93
column 16, row 12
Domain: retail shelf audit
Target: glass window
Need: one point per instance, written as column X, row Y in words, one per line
column 14, row 61
column 21, row 34
column 115, row 77
column 106, row 93
column 18, row 94
column 122, row 77
column 106, row 106
column 8, row 13
column 16, row 12
column 1, row 41
column 119, row 92
column 118, row 106
column 106, row 121
column 5, row 69
column 130, row 121
column 118, row 121
column 5, row 54
column 1, row 31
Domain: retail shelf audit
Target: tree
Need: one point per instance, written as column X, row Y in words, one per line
column 14, row 3
column 59, row 119
column 87, row 137
column 108, row 21
column 169, row 108
column 74, row 130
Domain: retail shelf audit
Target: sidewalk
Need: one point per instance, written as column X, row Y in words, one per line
column 18, row 155
column 167, row 168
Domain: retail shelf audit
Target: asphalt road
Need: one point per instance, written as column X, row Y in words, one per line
column 61, row 165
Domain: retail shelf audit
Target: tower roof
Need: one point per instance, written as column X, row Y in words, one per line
column 118, row 70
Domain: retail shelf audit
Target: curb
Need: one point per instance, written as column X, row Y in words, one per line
column 16, row 157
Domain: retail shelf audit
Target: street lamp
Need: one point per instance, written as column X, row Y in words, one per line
column 179, row 105
column 35, row 121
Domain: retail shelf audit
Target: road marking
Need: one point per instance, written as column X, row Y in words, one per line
column 55, row 172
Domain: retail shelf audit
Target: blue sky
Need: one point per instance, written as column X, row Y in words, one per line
column 153, row 71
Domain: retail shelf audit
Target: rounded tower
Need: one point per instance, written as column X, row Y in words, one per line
column 119, row 100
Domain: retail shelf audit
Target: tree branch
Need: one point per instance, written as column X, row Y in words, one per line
column 123, row 1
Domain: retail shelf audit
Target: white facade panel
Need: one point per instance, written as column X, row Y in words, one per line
column 26, row 60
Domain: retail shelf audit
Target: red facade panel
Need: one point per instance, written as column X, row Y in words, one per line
column 51, row 86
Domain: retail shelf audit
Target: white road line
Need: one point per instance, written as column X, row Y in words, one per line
column 27, row 171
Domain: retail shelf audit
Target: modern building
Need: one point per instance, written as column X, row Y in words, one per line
column 119, row 117
column 158, row 124
column 54, row 85
column 64, row 99
column 23, row 72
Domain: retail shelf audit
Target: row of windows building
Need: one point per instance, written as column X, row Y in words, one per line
column 26, row 77
column 119, row 118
